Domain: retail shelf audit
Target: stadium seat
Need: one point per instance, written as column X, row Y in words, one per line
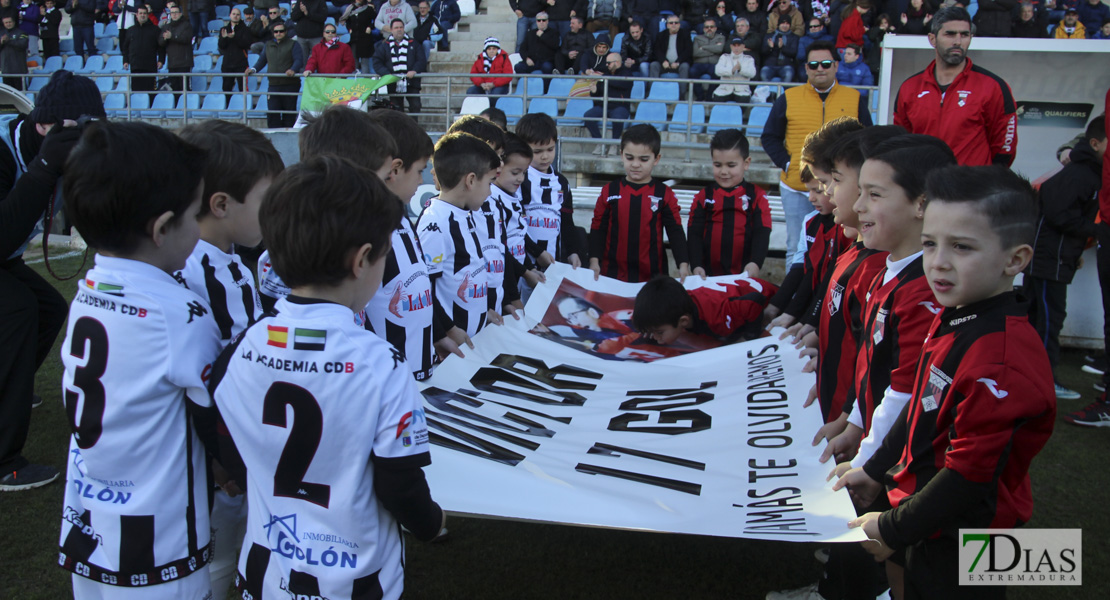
column 252, row 58
column 98, row 29
column 341, row 29
column 575, row 109
column 223, row 12
column 37, row 83
column 113, row 64
column 214, row 26
column 473, row 105
column 345, row 38
column 216, row 84
column 111, row 30
column 113, row 103
column 209, row 45
column 235, row 106
column 514, row 58
column 52, row 64
column 617, row 41
column 513, row 107
column 106, row 45
column 549, row 106
column 259, row 111
column 725, row 116
column 467, row 7
column 140, row 101
column 534, row 86
column 95, row 64
column 678, row 119
column 75, row 63
column 123, row 85
column 105, row 84
column 241, row 7
column 638, row 90
column 185, row 102
column 663, row 90
column 202, row 63
column 286, row 8
column 329, row 21
column 162, row 103
column 217, row 67
column 198, row 83
column 65, row 46
column 213, row 103
column 654, row 113
column 757, row 119
column 560, row 87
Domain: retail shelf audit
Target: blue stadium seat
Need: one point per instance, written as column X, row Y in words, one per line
column 235, row 105
column 213, row 103
column 757, row 119
column 113, row 64
column 162, row 102
column 140, row 101
column 341, row 29
column 75, row 63
column 114, row 103
column 190, row 102
column 549, row 106
column 560, row 87
column 617, row 41
column 678, row 119
column 209, row 45
column 572, row 114
column 111, row 30
column 223, row 12
column 638, row 90
column 663, row 90
column 217, row 67
column 65, row 46
column 725, row 116
column 513, row 107
column 52, row 64
column 94, row 64
column 241, row 7
column 331, row 20
column 286, row 8
column 198, row 83
column 654, row 113
column 105, row 84
column 534, row 86
column 124, row 85
column 259, row 111
column 37, row 83
column 251, row 59
column 214, row 26
column 202, row 63
column 345, row 38
column 107, row 45
column 216, row 84
column 98, row 29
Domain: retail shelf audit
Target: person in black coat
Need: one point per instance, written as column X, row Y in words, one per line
column 48, row 30
column 1069, row 202
column 359, row 17
column 540, row 46
column 308, row 18
column 575, row 44
column 140, row 51
column 235, row 42
column 995, row 18
column 666, row 62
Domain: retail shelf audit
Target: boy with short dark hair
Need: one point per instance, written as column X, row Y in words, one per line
column 729, row 227
column 664, row 309
column 546, row 197
column 982, row 405
column 626, row 236
column 138, row 349
column 1068, row 203
column 521, row 270
column 348, row 400
column 465, row 167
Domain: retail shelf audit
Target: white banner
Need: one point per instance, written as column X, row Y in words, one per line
column 713, row 442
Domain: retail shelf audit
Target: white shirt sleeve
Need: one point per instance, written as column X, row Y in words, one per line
column 854, row 417
column 803, row 246
column 887, row 412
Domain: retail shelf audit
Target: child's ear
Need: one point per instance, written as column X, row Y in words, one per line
column 397, row 166
column 157, row 227
column 685, row 322
column 471, row 180
column 919, row 205
column 1019, row 259
column 361, row 261
column 217, row 204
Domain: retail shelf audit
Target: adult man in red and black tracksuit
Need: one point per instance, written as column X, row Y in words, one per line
column 728, row 228
column 970, row 108
column 958, row 456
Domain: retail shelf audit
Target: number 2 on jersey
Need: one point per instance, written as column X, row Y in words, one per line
column 88, row 426
column 300, row 447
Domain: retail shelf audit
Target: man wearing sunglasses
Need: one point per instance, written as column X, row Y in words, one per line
column 798, row 112
column 965, row 105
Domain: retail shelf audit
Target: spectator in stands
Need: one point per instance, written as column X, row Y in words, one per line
column 646, row 12
column 13, row 53
column 331, row 56
column 428, row 30
column 359, row 19
column 734, row 70
column 1104, row 32
column 576, row 43
column 1071, row 28
column 726, row 22
column 176, row 50
column 875, row 34
column 602, row 14
column 785, row 10
column 636, row 50
column 281, row 55
column 856, row 19
column 234, row 44
column 525, row 17
column 8, row 9
column 448, row 14
column 815, row 31
column 1092, row 13
column 995, row 18
column 753, row 40
column 395, row 9
column 51, row 20
column 496, row 116
column 400, row 55
column 708, row 48
column 779, row 50
column 617, row 89
column 308, row 18
column 595, row 59
column 1029, row 24
column 30, row 16
column 260, row 34
column 199, row 17
column 140, row 51
column 672, row 53
column 559, row 12
column 815, row 9
column 81, row 15
column 915, row 21
column 757, row 20
column 853, row 70
column 540, row 46
column 491, row 62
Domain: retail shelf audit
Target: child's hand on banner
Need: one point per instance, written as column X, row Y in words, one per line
column 595, row 266
column 494, row 317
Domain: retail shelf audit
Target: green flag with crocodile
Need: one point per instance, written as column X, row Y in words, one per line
column 320, row 92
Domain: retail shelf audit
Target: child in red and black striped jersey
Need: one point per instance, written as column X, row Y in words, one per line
column 730, row 221
column 664, row 309
column 626, row 236
column 982, row 404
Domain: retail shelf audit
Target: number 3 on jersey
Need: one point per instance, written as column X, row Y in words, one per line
column 300, row 447
column 88, row 426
